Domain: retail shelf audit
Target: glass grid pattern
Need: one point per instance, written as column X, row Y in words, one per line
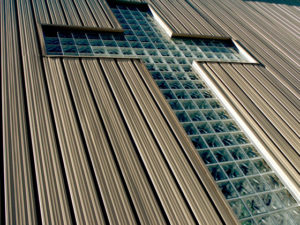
column 253, row 190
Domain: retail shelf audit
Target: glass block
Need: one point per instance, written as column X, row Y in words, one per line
column 188, row 104
column 157, row 60
column 164, row 53
column 228, row 190
column 53, row 49
column 119, row 37
column 195, row 94
column 196, row 116
column 264, row 220
column 198, row 142
column 81, row 42
column 214, row 104
column 285, row 198
column 163, row 68
column 251, row 152
column 69, row 49
column 96, row 43
column 282, row 218
column 175, row 68
column 295, row 215
column 248, row 222
column 110, row 43
column 176, row 53
column 175, row 84
column 202, row 104
column 51, row 41
column 156, row 75
column 175, row 105
column 255, row 205
column 190, row 129
column 248, row 168
column 188, row 42
column 140, row 52
column 204, row 128
column 98, row 50
column 241, row 138
column 188, row 54
column 239, row 209
column 160, row 46
column 181, row 76
column 150, row 67
column 222, row 155
column 210, row 115
column 170, row 60
column 261, row 165
column 123, row 44
column 105, row 36
column 127, row 52
column 218, row 127
column 201, row 85
column 231, row 126
column 273, row 181
column 227, row 140
column 259, row 184
column 271, row 201
column 188, row 85
column 182, row 94
column 207, row 157
column 182, row 116
column 162, row 85
column 217, row 172
column 213, row 141
column 168, row 94
column 243, row 187
column 182, row 47
column 182, row 61
column 144, row 39
column 237, row 153
column 135, row 44
column 193, row 76
column 67, row 41
column 222, row 114
column 171, row 47
column 84, row 50
column 232, row 170
column 113, row 51
column 207, row 94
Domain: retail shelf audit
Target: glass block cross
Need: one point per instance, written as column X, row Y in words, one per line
column 253, row 190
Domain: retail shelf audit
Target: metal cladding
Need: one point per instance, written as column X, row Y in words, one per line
column 93, row 141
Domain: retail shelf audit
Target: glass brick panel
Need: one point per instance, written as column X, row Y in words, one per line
column 253, row 190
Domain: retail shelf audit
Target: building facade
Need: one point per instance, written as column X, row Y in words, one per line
column 150, row 112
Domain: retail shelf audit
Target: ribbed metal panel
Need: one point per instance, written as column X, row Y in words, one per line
column 264, row 45
column 17, row 171
column 92, row 13
column 92, row 141
column 93, row 147
column 184, row 21
column 264, row 107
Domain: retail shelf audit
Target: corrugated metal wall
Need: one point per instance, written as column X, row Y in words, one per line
column 270, row 32
column 267, row 111
column 86, row 141
column 92, row 13
column 92, row 141
column 183, row 20
column 271, row 93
